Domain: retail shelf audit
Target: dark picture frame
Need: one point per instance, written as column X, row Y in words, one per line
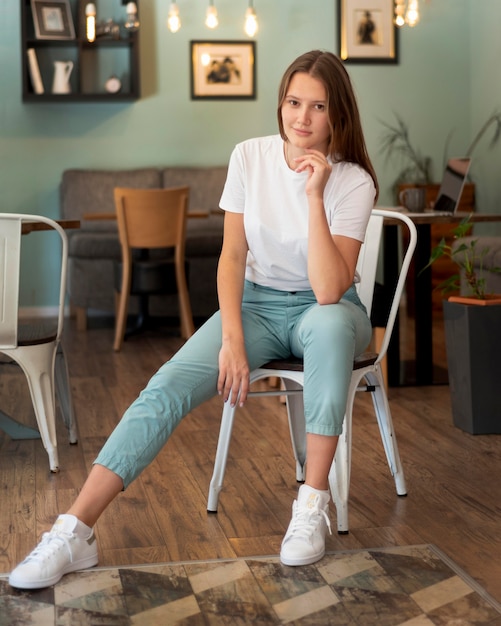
column 52, row 19
column 367, row 31
column 223, row 70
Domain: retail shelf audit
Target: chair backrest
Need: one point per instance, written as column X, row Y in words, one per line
column 10, row 262
column 368, row 262
column 152, row 218
column 11, row 232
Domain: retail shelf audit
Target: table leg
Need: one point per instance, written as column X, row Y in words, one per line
column 423, row 305
column 420, row 371
column 390, row 265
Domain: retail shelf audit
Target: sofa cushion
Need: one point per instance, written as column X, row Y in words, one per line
column 91, row 191
column 94, row 245
column 205, row 183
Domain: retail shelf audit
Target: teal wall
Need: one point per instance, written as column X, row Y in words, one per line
column 447, row 80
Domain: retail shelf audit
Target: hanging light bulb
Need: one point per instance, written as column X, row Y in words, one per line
column 173, row 19
column 399, row 12
column 211, row 20
column 90, row 21
column 412, row 15
column 131, row 23
column 251, row 25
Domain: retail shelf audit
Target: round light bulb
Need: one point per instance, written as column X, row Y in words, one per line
column 173, row 19
column 211, row 20
column 90, row 21
column 251, row 25
column 132, row 23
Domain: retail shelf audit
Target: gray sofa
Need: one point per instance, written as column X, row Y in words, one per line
column 491, row 259
column 94, row 248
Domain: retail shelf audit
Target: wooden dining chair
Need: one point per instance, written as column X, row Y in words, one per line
column 150, row 219
column 35, row 343
column 366, row 370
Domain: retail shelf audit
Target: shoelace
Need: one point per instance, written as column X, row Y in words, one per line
column 49, row 544
column 305, row 521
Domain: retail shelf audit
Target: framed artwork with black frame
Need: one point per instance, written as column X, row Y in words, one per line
column 52, row 19
column 367, row 31
column 223, row 70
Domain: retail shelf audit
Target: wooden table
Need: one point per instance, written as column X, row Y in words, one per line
column 422, row 370
column 30, row 227
column 14, row 429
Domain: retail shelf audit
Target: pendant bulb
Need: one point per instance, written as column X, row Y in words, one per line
column 251, row 25
column 211, row 19
column 173, row 19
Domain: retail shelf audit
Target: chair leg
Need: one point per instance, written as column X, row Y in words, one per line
column 297, row 427
column 340, row 472
column 120, row 318
column 223, row 446
column 63, row 393
column 187, row 325
column 81, row 315
column 38, row 363
column 385, row 423
column 339, row 477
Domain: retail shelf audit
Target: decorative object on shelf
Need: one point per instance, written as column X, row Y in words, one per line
column 367, row 33
column 62, row 73
column 113, row 84
column 131, row 23
column 90, row 21
column 406, row 12
column 212, row 19
column 108, row 28
column 52, row 19
column 36, row 77
column 223, row 70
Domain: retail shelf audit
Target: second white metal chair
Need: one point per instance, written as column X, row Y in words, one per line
column 35, row 345
column 366, row 367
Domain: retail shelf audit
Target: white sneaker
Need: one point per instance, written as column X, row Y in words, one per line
column 304, row 541
column 59, row 552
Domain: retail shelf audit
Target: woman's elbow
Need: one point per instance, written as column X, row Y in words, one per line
column 328, row 296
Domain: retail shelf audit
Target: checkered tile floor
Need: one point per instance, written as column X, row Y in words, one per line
column 402, row 586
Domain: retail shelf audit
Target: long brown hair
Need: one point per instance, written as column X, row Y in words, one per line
column 346, row 141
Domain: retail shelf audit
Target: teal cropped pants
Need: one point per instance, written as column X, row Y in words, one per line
column 276, row 325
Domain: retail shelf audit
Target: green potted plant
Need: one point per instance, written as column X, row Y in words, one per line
column 472, row 334
column 417, row 168
column 468, row 255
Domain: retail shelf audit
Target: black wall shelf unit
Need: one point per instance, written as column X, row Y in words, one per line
column 93, row 63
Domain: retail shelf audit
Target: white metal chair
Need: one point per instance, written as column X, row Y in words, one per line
column 35, row 344
column 367, row 366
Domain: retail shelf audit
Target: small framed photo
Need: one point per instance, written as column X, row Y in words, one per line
column 52, row 19
column 367, row 32
column 223, row 70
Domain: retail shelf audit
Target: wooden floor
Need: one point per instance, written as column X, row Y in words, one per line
column 454, row 486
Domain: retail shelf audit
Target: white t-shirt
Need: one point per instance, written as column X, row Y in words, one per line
column 273, row 200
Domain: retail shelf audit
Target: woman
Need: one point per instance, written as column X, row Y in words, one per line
column 297, row 206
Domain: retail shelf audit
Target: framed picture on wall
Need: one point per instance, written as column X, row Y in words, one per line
column 223, row 70
column 52, row 19
column 367, row 32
